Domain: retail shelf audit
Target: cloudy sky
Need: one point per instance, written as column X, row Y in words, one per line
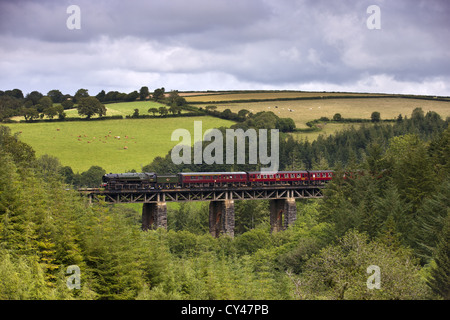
column 224, row 44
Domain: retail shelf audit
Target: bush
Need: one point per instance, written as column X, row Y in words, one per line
column 375, row 117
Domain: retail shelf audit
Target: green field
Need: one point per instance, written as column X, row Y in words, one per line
column 303, row 111
column 81, row 144
column 326, row 129
column 242, row 95
column 123, row 108
column 307, row 110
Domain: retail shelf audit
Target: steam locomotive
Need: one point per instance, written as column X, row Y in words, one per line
column 151, row 180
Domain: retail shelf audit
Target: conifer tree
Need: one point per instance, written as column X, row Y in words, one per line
column 440, row 275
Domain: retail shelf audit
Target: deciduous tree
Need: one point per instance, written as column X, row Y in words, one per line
column 90, row 106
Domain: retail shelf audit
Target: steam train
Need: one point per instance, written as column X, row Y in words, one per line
column 151, row 180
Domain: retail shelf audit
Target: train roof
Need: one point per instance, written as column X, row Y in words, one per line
column 276, row 172
column 131, row 174
column 208, row 173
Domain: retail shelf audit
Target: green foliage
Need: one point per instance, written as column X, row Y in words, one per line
column 337, row 117
column 67, row 104
column 440, row 273
column 390, row 211
column 411, row 170
column 144, row 93
column 80, row 94
column 20, row 152
column 430, row 221
column 192, row 217
column 250, row 214
column 375, row 116
column 339, row 272
column 89, row 106
column 56, row 96
column 158, row 94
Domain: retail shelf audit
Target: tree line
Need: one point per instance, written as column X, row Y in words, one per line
column 35, row 105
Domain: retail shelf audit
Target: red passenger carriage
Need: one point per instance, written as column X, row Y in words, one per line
column 207, row 179
column 280, row 177
column 320, row 176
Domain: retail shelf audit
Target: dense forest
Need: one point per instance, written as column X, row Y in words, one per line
column 393, row 213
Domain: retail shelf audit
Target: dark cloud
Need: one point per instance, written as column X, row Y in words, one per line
column 222, row 44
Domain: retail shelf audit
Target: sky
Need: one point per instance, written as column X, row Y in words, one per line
column 194, row 45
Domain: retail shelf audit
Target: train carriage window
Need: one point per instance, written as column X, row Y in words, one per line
column 299, row 175
column 293, row 175
column 278, row 176
column 259, row 176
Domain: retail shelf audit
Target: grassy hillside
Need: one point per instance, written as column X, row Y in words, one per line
column 112, row 109
column 251, row 95
column 86, row 143
column 302, row 111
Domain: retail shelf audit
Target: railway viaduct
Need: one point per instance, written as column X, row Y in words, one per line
column 283, row 210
